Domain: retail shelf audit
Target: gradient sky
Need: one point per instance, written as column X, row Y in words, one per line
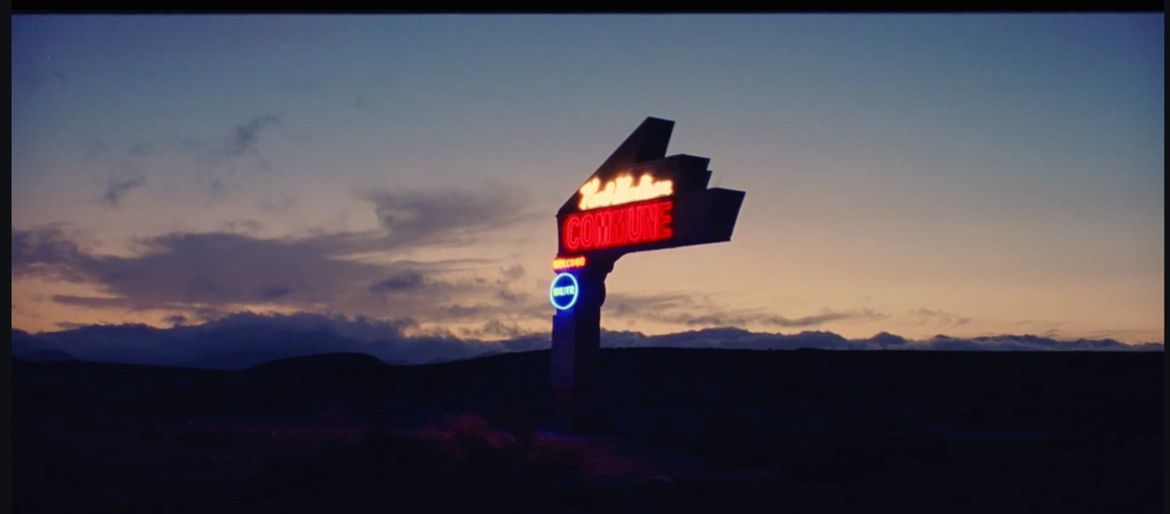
column 917, row 174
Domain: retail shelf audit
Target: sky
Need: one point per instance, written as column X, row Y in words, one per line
column 958, row 174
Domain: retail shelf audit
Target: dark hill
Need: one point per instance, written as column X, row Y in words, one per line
column 683, row 431
column 49, row 356
column 314, row 363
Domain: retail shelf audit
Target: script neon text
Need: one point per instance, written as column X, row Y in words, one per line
column 622, row 190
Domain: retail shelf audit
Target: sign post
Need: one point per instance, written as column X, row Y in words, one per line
column 638, row 200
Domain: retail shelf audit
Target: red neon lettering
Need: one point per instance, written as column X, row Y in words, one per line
column 650, row 218
column 618, row 229
column 643, row 222
column 588, row 226
column 573, row 234
column 603, row 224
column 634, row 232
column 664, row 221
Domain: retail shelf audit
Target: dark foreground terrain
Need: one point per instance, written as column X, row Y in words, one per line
column 685, row 431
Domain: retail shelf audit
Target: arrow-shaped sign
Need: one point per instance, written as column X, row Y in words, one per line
column 639, row 199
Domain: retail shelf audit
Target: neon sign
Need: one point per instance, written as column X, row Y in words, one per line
column 622, row 190
column 563, row 291
column 639, row 199
column 644, row 222
column 563, row 263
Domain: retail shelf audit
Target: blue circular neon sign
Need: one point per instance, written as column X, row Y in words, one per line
column 563, row 291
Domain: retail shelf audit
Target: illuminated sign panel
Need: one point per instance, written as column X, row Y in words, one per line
column 622, row 190
column 643, row 222
column 563, row 291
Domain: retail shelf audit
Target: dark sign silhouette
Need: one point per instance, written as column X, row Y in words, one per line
column 638, row 199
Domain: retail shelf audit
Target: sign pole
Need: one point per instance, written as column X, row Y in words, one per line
column 576, row 341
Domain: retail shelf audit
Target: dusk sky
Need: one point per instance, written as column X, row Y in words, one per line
column 964, row 174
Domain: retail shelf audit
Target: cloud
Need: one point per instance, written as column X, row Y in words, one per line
column 211, row 152
column 407, row 280
column 202, row 275
column 531, row 307
column 274, row 292
column 822, row 318
column 495, row 329
column 90, row 301
column 513, row 272
column 246, row 135
column 188, row 270
column 245, row 339
column 66, row 325
column 938, row 318
column 205, row 268
column 51, row 250
column 448, row 216
column 221, row 157
column 680, row 309
column 115, row 188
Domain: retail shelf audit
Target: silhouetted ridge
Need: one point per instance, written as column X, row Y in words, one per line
column 50, row 356
column 244, row 340
column 347, row 360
